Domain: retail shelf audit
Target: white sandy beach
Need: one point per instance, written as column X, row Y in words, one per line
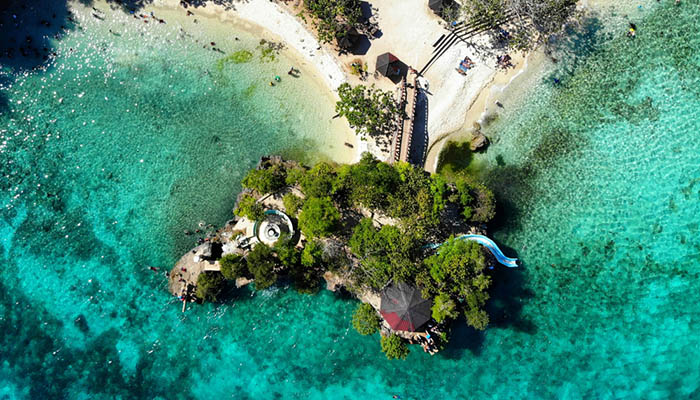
column 408, row 32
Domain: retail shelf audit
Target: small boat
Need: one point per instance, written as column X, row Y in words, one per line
column 349, row 145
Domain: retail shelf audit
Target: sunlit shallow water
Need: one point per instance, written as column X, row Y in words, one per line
column 599, row 177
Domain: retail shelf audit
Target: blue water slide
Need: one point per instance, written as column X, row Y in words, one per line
column 489, row 244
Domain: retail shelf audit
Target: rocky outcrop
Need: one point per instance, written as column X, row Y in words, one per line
column 240, row 282
column 333, row 281
column 478, row 142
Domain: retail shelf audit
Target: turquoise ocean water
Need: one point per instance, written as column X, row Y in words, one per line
column 598, row 176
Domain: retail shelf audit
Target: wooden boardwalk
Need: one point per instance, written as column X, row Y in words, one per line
column 403, row 136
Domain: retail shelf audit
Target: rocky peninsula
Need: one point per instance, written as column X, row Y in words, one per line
column 369, row 229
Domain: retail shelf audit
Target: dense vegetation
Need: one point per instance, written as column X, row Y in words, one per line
column 209, row 285
column 333, row 19
column 369, row 222
column 233, row 266
column 394, row 347
column 530, row 21
column 456, row 278
column 249, row 207
column 365, row 319
column 369, row 110
column 318, row 217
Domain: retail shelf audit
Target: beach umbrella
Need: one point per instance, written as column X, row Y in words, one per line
column 404, row 308
column 435, row 5
column 384, row 64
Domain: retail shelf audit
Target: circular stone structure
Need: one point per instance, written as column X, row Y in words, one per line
column 270, row 229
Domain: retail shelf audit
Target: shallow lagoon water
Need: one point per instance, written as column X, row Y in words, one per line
column 599, row 178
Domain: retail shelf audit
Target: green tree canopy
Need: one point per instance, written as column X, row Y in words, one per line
column 369, row 110
column 319, row 181
column 295, row 175
column 233, row 266
column 319, row 217
column 365, row 319
column 444, row 308
column 394, row 347
column 457, row 271
column 261, row 263
column 418, row 199
column 266, row 180
column 364, row 239
column 489, row 12
column 250, row 208
column 477, row 201
column 287, row 253
column 292, row 204
column 370, row 182
column 312, row 255
column 209, row 285
column 385, row 254
column 333, row 18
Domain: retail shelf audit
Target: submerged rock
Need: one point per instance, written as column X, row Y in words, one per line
column 81, row 323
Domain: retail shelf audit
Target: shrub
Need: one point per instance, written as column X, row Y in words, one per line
column 319, row 217
column 444, row 308
column 332, row 18
column 365, row 319
column 292, row 203
column 286, row 250
column 457, row 272
column 249, row 207
column 233, row 266
column 209, row 285
column 394, row 347
column 266, row 180
column 319, row 181
column 261, row 263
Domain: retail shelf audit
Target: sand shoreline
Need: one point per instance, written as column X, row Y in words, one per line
column 269, row 21
column 482, row 105
column 454, row 98
column 455, row 101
